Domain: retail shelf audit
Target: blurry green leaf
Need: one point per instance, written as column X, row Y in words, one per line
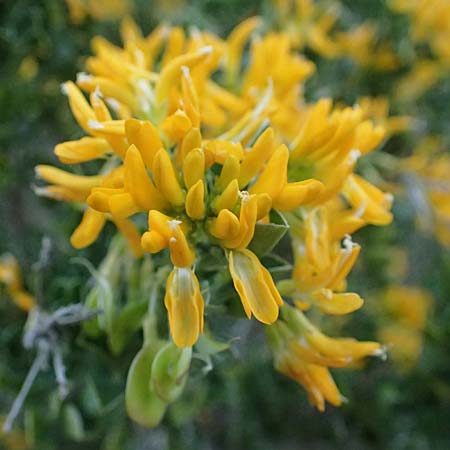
column 54, row 404
column 73, row 422
column 125, row 324
column 92, row 403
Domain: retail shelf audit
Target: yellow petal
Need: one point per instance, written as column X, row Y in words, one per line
column 225, row 225
column 69, row 180
column 122, row 205
column 229, row 172
column 145, row 137
column 247, row 222
column 337, row 304
column 193, row 167
column 255, row 158
column 255, row 286
column 264, row 205
column 176, row 126
column 195, row 201
column 181, row 254
column 296, row 194
column 192, row 139
column 139, row 184
column 228, row 198
column 166, row 179
column 153, row 242
column 84, row 149
column 171, row 73
column 274, row 177
column 78, row 104
column 184, row 304
column 89, row 229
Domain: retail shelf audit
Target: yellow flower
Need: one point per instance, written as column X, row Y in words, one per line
column 10, row 276
column 312, row 24
column 377, row 109
column 305, row 354
column 329, row 142
column 373, row 204
column 426, row 174
column 210, row 164
column 99, row 10
column 404, row 313
column 430, row 23
column 184, row 303
column 408, row 305
column 255, row 286
column 422, row 77
column 321, row 263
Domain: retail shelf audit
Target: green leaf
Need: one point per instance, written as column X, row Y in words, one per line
column 267, row 235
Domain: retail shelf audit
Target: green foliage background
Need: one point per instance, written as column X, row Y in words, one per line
column 243, row 403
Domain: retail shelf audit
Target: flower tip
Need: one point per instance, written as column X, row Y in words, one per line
column 381, row 353
column 83, row 77
column 64, row 89
column 186, row 71
column 97, row 92
column 354, row 156
column 206, row 50
column 94, row 124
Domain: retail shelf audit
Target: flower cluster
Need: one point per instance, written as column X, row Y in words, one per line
column 214, row 144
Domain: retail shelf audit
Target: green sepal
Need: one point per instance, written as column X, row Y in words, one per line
column 267, row 235
column 170, row 369
column 208, row 346
column 142, row 404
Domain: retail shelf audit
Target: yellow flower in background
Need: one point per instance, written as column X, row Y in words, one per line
column 377, row 109
column 430, row 23
column 305, row 354
column 314, row 24
column 14, row 440
column 99, row 10
column 11, row 277
column 424, row 74
column 409, row 305
column 426, row 176
column 406, row 309
column 29, row 68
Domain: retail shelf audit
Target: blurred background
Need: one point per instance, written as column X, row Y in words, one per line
column 388, row 51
